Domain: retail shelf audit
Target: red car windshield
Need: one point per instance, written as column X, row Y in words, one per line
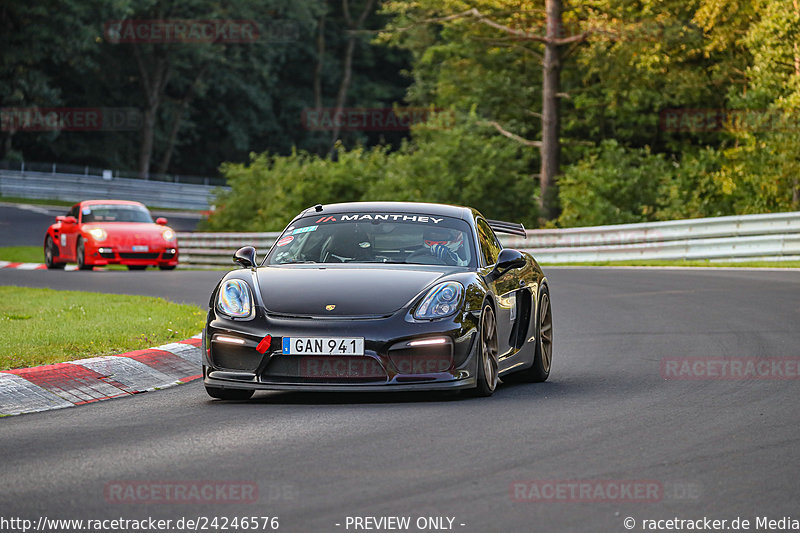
column 115, row 213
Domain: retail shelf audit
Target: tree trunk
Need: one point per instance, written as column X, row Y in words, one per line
column 173, row 135
column 318, row 65
column 550, row 117
column 7, row 144
column 146, row 148
column 347, row 70
column 153, row 84
column 180, row 110
column 344, row 86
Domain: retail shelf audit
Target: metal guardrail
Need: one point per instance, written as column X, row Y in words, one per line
column 216, row 249
column 34, row 167
column 774, row 237
column 73, row 187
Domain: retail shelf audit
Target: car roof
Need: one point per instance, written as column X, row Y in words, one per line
column 111, row 202
column 393, row 207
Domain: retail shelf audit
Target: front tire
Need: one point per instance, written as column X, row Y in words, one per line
column 49, row 255
column 487, row 375
column 80, row 256
column 229, row 394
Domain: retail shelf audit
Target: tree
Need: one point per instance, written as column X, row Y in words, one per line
column 503, row 17
column 34, row 49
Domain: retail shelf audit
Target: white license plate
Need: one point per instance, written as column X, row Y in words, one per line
column 140, row 248
column 323, row 345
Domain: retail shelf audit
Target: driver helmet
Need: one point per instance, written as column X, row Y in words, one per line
column 453, row 240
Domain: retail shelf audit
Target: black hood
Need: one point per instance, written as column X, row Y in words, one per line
column 358, row 290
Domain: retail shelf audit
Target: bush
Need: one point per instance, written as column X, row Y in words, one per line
column 463, row 165
column 272, row 189
column 467, row 164
column 612, row 185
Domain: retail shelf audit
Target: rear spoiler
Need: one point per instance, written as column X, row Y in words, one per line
column 507, row 227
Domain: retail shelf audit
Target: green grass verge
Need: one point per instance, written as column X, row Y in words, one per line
column 22, row 254
column 701, row 263
column 35, row 201
column 45, row 326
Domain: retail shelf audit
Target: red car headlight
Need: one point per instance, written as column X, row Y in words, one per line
column 98, row 234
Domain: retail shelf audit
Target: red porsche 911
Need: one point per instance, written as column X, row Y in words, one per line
column 110, row 232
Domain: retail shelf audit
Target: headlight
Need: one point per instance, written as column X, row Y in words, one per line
column 441, row 301
column 234, row 299
column 168, row 235
column 98, row 234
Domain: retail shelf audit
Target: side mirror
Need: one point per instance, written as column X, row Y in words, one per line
column 161, row 221
column 509, row 258
column 66, row 219
column 245, row 256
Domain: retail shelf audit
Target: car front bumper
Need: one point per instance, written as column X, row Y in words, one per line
column 97, row 254
column 390, row 361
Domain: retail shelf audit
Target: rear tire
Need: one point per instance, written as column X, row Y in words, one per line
column 229, row 394
column 487, row 375
column 543, row 356
column 50, row 252
column 80, row 256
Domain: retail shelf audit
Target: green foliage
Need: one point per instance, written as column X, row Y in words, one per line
column 612, row 185
column 638, row 58
column 461, row 163
column 266, row 193
column 466, row 164
column 694, row 188
column 241, row 96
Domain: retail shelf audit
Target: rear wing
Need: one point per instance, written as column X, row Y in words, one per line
column 513, row 228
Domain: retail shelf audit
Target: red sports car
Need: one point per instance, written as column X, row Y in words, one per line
column 110, row 232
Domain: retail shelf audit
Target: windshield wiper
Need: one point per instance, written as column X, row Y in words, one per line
column 297, row 262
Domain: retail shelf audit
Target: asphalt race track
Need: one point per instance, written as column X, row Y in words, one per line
column 719, row 449
column 25, row 225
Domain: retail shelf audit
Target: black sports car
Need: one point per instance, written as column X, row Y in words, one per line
column 375, row 296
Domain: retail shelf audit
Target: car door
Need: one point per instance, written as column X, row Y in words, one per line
column 505, row 288
column 69, row 234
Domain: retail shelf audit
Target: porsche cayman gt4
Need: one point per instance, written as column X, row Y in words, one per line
column 380, row 296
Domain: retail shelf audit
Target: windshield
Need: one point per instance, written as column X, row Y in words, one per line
column 115, row 213
column 375, row 238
